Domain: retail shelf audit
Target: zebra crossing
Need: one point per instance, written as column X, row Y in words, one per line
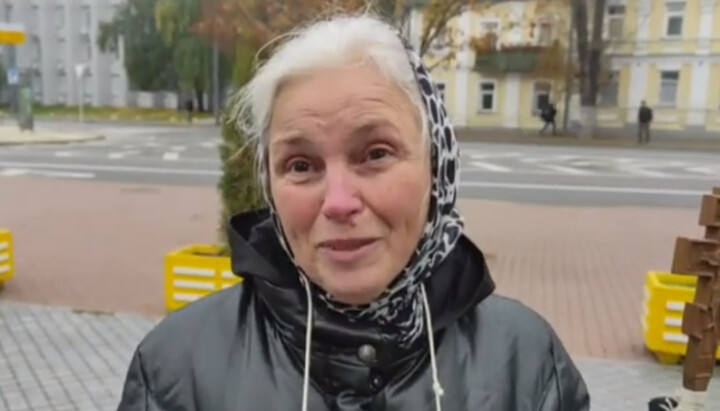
column 589, row 165
column 144, row 147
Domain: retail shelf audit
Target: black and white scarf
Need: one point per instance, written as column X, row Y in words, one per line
column 399, row 309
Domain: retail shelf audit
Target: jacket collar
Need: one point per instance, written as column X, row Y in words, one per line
column 458, row 285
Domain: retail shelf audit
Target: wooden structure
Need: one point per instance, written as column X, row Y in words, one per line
column 701, row 318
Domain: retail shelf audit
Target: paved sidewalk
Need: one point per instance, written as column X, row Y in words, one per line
column 61, row 360
column 10, row 135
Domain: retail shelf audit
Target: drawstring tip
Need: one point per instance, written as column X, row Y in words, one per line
column 438, row 389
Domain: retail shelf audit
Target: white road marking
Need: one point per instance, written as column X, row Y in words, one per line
column 490, row 167
column 121, row 154
column 63, row 154
column 539, row 162
column 118, row 169
column 14, row 172
column 565, row 169
column 584, row 188
column 705, row 170
column 171, row 156
column 484, row 156
column 210, row 144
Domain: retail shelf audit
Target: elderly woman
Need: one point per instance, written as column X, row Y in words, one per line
column 361, row 291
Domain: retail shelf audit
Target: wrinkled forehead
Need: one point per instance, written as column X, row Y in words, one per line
column 345, row 100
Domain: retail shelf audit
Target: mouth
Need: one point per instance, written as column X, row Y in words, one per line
column 347, row 250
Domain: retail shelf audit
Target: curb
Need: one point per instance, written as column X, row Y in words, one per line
column 165, row 123
column 599, row 143
column 95, row 137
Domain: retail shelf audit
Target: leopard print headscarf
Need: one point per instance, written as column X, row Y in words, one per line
column 399, row 309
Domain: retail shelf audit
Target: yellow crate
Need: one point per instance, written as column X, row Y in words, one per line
column 665, row 295
column 194, row 272
column 7, row 260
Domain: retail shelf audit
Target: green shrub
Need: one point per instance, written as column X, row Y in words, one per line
column 238, row 185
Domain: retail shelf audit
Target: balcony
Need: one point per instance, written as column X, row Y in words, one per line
column 493, row 58
column 507, row 61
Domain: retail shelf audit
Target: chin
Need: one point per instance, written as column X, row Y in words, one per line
column 347, row 291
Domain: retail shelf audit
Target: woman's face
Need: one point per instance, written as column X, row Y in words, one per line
column 350, row 177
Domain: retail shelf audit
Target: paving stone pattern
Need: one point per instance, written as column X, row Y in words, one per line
column 64, row 360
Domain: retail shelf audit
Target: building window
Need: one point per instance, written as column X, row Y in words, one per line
column 60, row 19
column 541, row 95
column 544, row 33
column 674, row 19
column 441, row 89
column 442, row 42
column 608, row 96
column 489, row 26
column 668, row 87
column 36, row 50
column 87, row 50
column 487, row 96
column 616, row 19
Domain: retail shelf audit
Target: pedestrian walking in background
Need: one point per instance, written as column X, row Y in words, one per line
column 645, row 117
column 548, row 114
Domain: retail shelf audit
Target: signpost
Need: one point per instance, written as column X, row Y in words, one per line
column 11, row 36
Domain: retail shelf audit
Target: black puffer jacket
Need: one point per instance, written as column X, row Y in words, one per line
column 242, row 349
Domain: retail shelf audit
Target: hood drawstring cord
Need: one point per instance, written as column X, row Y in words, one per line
column 308, row 342
column 437, row 388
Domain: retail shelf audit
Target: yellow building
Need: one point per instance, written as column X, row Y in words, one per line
column 666, row 52
column 507, row 87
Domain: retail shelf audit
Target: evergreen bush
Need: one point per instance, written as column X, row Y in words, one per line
column 238, row 185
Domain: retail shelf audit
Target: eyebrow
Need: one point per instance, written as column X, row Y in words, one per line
column 290, row 140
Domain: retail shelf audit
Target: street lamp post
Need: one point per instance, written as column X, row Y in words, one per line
column 80, row 73
column 216, row 81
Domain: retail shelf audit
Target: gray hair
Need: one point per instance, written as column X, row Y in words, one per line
column 334, row 42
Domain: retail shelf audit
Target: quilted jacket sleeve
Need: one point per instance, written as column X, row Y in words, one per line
column 136, row 395
column 566, row 389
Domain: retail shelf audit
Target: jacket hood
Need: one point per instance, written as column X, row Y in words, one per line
column 454, row 289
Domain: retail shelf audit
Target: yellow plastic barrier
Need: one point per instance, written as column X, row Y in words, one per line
column 7, row 262
column 663, row 305
column 194, row 272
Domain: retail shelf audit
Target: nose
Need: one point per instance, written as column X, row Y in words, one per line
column 341, row 200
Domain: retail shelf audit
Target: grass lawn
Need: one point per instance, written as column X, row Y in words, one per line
column 112, row 113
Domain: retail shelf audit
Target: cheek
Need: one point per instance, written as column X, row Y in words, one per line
column 401, row 199
column 297, row 208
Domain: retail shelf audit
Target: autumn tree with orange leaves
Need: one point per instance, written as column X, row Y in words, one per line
column 244, row 27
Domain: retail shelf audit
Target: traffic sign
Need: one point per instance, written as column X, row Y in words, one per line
column 13, row 76
column 12, row 34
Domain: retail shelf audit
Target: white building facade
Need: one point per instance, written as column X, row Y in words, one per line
column 60, row 35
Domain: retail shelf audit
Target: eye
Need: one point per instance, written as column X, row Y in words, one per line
column 298, row 166
column 378, row 153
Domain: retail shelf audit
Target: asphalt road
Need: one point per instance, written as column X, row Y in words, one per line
column 575, row 176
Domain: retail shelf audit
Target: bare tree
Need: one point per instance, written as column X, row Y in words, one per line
column 589, row 53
